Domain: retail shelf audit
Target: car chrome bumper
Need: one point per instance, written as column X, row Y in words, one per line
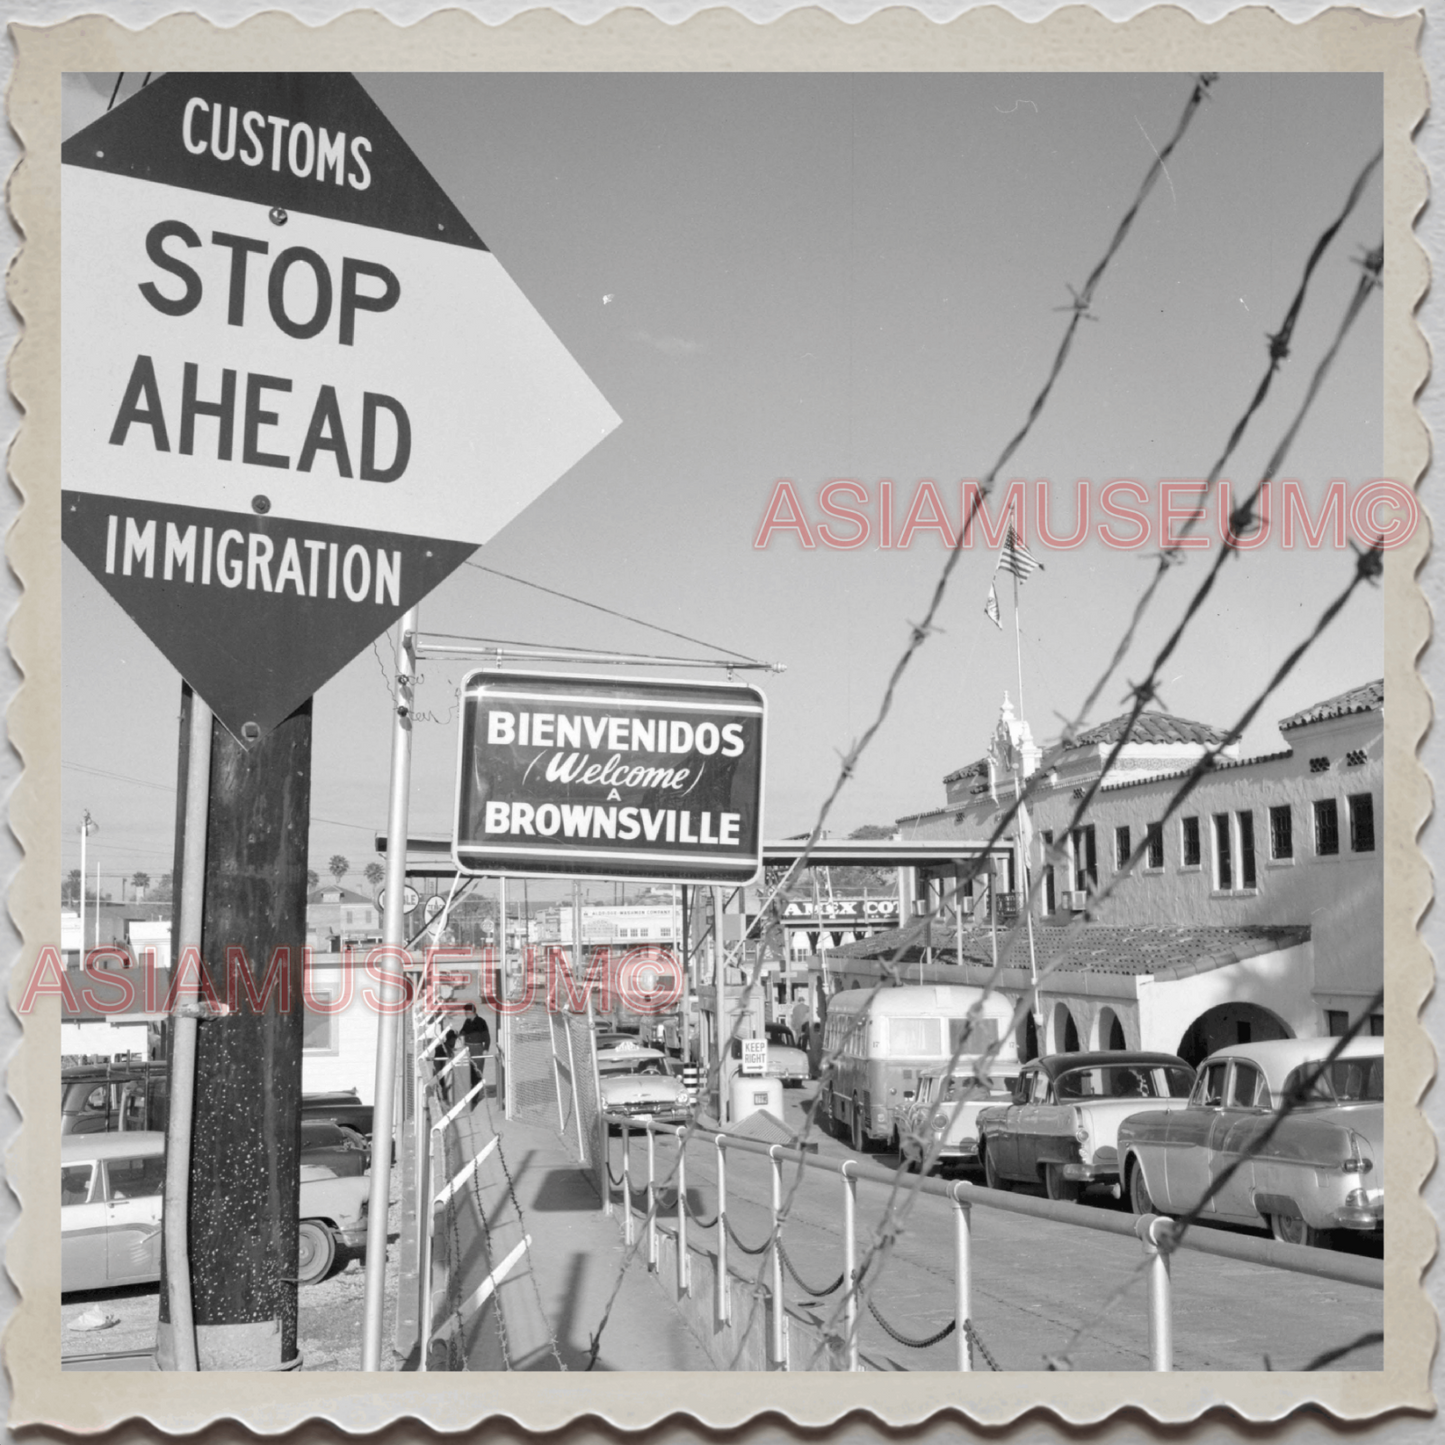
column 1370, row 1218
column 1090, row 1173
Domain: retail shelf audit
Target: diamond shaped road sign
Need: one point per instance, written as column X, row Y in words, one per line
column 297, row 389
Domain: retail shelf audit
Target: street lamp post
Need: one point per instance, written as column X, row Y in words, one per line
column 87, row 827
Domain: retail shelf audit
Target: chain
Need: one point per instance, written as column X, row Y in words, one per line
column 733, row 1234
column 802, row 1283
column 975, row 1339
column 902, row 1339
column 697, row 1218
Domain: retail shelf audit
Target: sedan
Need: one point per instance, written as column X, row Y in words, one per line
column 943, row 1115
column 1061, row 1125
column 1271, row 1136
column 643, row 1084
column 110, row 1212
column 783, row 1062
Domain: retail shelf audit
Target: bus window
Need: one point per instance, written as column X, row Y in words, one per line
column 982, row 1035
column 919, row 1038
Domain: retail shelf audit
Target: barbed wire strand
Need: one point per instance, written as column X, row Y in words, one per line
column 1279, row 344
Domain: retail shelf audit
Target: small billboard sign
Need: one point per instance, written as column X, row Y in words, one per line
column 609, row 778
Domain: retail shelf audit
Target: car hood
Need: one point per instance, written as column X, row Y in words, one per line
column 636, row 1088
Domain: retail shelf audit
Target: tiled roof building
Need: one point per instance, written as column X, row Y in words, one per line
column 1258, row 901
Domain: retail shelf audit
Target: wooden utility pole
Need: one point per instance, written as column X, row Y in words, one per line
column 246, row 1130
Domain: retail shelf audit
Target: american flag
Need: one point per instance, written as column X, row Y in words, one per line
column 1016, row 558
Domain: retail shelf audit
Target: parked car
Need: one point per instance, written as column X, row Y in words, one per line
column 641, row 1083
column 1060, row 1127
column 342, row 1107
column 943, row 1113
column 1322, row 1168
column 783, row 1062
column 101, row 1098
column 110, row 1212
column 132, row 1094
column 328, row 1146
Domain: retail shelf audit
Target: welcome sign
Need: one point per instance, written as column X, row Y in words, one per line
column 609, row 778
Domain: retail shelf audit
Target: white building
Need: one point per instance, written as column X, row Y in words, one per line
column 1256, row 910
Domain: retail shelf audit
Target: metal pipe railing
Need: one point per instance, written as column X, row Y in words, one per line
column 775, row 1261
column 1159, row 1236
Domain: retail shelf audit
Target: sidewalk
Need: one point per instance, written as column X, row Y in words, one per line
column 562, row 1284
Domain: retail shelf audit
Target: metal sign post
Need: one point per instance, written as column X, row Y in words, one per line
column 389, row 1025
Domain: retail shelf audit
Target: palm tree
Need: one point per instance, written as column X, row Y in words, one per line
column 338, row 867
column 374, row 873
column 140, row 881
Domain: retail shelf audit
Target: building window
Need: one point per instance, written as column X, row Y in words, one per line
column 1049, row 901
column 1319, row 765
column 1247, row 877
column 320, row 1032
column 1189, row 836
column 1355, row 758
column 1086, row 858
column 1362, row 823
column 1122, row 850
column 1156, row 845
column 1327, row 827
column 1281, row 832
column 1377, row 1026
column 1223, row 862
column 1337, row 1021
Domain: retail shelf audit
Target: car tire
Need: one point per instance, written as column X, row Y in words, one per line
column 991, row 1176
column 1139, row 1198
column 315, row 1252
column 1059, row 1189
column 1291, row 1229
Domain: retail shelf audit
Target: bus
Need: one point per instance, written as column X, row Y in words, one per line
column 908, row 1029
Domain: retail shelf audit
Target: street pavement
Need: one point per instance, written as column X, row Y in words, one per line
column 1042, row 1292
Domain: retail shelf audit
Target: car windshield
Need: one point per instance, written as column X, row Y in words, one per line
column 614, row 1068
column 949, row 1091
column 1125, row 1081
column 1342, row 1081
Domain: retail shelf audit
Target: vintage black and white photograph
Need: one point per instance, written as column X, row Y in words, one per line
column 723, row 722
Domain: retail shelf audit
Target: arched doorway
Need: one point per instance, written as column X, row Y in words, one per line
column 1111, row 1030
column 1066, row 1033
column 1229, row 1023
column 1028, row 1038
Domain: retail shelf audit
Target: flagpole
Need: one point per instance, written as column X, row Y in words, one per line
column 1019, row 794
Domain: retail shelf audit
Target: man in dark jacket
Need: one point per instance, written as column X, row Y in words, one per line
column 476, row 1038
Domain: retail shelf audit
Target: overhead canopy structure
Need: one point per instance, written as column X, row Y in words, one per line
column 429, row 855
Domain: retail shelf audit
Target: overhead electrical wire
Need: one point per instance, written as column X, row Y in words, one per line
column 610, row 611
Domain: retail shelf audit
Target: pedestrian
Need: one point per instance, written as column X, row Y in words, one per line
column 441, row 1061
column 476, row 1038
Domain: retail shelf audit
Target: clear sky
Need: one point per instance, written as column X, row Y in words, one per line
column 821, row 277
